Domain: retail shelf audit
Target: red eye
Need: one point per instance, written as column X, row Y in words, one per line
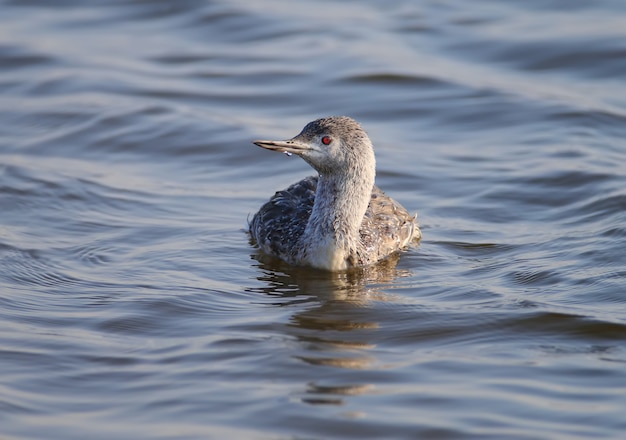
column 326, row 140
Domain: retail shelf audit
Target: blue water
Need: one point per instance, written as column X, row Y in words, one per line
column 133, row 305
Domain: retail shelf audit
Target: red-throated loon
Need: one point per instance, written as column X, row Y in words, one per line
column 338, row 219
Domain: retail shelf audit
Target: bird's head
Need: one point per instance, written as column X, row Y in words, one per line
column 336, row 144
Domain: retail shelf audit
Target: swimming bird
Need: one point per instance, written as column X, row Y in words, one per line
column 338, row 219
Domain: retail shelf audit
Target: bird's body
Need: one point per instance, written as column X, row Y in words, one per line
column 338, row 219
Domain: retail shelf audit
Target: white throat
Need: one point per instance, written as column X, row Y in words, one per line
column 331, row 238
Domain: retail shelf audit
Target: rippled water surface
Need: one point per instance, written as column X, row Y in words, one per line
column 132, row 304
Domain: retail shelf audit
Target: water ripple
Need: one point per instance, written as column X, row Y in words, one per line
column 134, row 306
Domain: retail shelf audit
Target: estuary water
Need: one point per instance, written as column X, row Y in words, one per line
column 133, row 305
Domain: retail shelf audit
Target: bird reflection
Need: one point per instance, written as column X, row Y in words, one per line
column 355, row 285
column 337, row 327
column 329, row 395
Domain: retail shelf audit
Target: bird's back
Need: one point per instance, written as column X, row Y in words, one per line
column 279, row 224
column 386, row 227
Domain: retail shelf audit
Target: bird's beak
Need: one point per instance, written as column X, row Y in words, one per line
column 290, row 146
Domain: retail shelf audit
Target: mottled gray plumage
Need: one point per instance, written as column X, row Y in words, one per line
column 338, row 219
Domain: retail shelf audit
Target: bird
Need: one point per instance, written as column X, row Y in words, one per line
column 338, row 219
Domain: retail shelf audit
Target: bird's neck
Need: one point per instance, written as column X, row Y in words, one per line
column 331, row 237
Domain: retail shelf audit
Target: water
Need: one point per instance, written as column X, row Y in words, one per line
column 132, row 304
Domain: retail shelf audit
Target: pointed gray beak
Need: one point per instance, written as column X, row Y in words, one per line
column 290, row 146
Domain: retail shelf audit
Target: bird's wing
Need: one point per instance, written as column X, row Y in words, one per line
column 386, row 227
column 278, row 225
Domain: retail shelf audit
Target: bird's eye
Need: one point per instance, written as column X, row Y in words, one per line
column 326, row 140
